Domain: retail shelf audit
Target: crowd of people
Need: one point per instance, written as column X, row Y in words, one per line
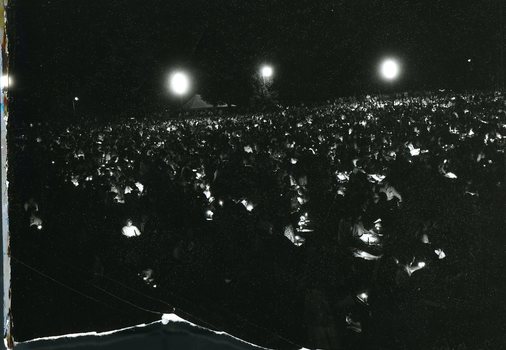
column 356, row 223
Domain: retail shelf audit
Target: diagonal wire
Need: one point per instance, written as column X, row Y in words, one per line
column 57, row 282
column 84, row 294
column 126, row 301
column 165, row 303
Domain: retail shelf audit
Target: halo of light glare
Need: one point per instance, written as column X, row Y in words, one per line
column 390, row 69
column 6, row 81
column 179, row 83
column 266, row 71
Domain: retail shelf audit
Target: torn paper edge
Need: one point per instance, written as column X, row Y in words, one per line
column 172, row 317
column 166, row 319
column 84, row 334
column 8, row 340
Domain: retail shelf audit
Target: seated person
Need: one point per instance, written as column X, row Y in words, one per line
column 129, row 230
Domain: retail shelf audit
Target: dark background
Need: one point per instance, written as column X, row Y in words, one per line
column 116, row 55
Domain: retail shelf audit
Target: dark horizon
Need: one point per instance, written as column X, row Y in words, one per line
column 116, row 55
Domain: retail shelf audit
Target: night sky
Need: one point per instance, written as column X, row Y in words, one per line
column 116, row 55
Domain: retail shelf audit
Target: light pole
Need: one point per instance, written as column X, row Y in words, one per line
column 74, row 102
column 469, row 74
column 266, row 72
column 389, row 70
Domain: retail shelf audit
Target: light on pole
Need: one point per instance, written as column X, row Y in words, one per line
column 266, row 72
column 74, row 102
column 179, row 85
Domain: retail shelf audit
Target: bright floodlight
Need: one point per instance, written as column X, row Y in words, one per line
column 6, row 81
column 266, row 71
column 179, row 83
column 390, row 69
column 76, row 98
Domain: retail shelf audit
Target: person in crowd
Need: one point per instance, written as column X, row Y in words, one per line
column 130, row 230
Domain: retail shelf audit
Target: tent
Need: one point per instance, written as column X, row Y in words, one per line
column 196, row 102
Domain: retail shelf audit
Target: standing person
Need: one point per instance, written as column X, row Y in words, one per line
column 130, row 250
